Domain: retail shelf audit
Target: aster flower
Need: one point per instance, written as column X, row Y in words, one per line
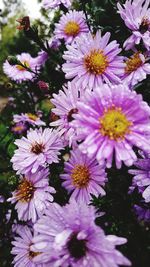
column 92, row 61
column 22, row 249
column 41, row 147
column 70, row 232
column 70, row 26
column 33, row 196
column 136, row 16
column 83, row 177
column 19, row 73
column 19, row 128
column 142, row 176
column 143, row 212
column 28, row 118
column 65, row 107
column 136, row 69
column 55, row 3
column 113, row 119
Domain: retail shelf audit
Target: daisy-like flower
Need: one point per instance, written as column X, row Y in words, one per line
column 92, row 61
column 70, row 232
column 70, row 26
column 113, row 119
column 136, row 16
column 41, row 147
column 56, row 3
column 33, row 196
column 19, row 73
column 22, row 249
column 136, row 69
column 28, row 118
column 19, row 128
column 65, row 107
column 142, row 176
column 83, row 176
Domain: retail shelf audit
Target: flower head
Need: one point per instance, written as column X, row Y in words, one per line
column 70, row 26
column 136, row 69
column 19, row 73
column 22, row 248
column 113, row 119
column 19, row 128
column 65, row 107
column 41, row 147
column 55, row 3
column 28, row 118
column 83, row 177
column 142, row 212
column 92, row 61
column 136, row 16
column 33, row 196
column 142, row 176
column 70, row 232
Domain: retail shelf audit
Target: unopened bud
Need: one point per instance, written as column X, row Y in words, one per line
column 43, row 86
column 24, row 23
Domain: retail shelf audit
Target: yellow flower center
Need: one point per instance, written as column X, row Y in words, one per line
column 133, row 63
column 114, row 124
column 25, row 191
column 80, row 176
column 96, row 62
column 72, row 28
column 21, row 68
column 32, row 116
column 33, row 254
column 18, row 128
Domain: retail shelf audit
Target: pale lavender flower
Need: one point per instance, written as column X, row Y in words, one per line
column 93, row 61
column 65, row 103
column 19, row 73
column 29, row 118
column 68, row 236
column 136, row 16
column 70, row 26
column 22, row 249
column 83, row 177
column 33, row 196
column 113, row 119
column 136, row 69
column 40, row 148
column 141, row 178
column 55, row 3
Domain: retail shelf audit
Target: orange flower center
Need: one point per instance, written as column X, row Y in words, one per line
column 96, row 62
column 25, row 191
column 21, row 68
column 37, row 148
column 114, row 123
column 72, row 28
column 133, row 63
column 32, row 116
column 80, row 176
column 18, row 128
column 33, row 254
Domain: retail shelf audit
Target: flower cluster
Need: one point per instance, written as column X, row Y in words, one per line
column 97, row 119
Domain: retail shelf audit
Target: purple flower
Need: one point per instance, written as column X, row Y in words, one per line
column 136, row 69
column 65, row 107
column 142, row 176
column 70, row 26
column 28, row 118
column 41, row 147
column 113, row 119
column 19, row 128
column 136, row 16
column 73, row 239
column 55, row 3
column 83, row 177
column 19, row 73
column 143, row 213
column 22, row 249
column 33, row 196
column 92, row 61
